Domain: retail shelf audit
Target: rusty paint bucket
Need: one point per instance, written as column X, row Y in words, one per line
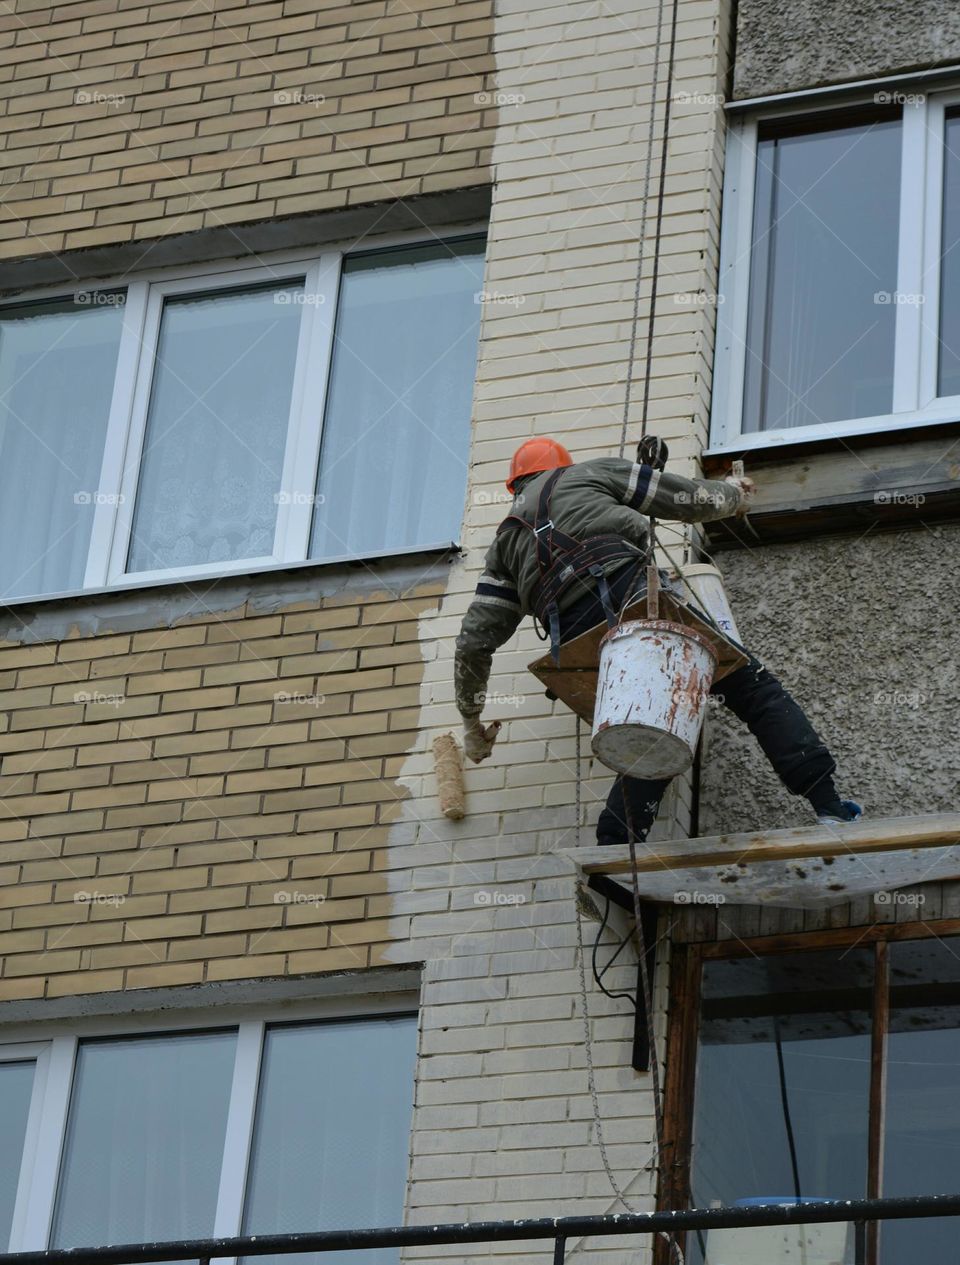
column 651, row 697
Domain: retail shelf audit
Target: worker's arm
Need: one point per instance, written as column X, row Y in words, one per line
column 670, row 496
column 491, row 619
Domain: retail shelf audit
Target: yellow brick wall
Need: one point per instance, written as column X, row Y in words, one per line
column 122, row 120
column 208, row 801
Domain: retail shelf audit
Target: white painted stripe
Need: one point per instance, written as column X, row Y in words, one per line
column 486, row 600
column 651, row 490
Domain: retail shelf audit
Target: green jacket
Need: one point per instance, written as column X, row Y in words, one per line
column 607, row 496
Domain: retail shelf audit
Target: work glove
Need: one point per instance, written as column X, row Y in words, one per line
column 746, row 487
column 478, row 740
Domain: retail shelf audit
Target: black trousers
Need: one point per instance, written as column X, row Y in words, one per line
column 753, row 694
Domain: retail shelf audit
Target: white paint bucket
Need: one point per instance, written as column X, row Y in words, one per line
column 651, row 697
column 706, row 585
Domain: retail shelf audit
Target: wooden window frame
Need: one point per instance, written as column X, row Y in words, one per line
column 683, row 1021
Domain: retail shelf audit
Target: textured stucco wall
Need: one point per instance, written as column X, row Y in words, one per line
column 783, row 47
column 863, row 630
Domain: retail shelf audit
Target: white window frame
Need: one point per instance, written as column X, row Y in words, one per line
column 54, row 1050
column 115, row 504
column 915, row 402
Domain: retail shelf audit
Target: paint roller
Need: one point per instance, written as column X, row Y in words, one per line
column 448, row 763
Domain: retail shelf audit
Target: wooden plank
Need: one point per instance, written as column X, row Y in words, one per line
column 924, row 830
column 673, row 1171
column 811, row 883
column 574, row 679
column 878, row 1085
column 799, row 941
column 837, row 485
column 799, row 868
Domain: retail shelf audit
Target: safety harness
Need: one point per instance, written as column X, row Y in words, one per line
column 563, row 561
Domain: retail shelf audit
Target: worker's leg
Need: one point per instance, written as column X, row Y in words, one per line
column 780, row 725
column 643, row 798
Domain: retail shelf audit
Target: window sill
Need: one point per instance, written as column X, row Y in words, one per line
column 189, row 583
column 803, row 437
column 831, row 485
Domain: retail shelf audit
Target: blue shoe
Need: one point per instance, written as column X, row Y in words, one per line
column 840, row 813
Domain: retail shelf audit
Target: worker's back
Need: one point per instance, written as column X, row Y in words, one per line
column 593, row 498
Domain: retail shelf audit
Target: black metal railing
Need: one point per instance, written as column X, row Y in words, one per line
column 861, row 1212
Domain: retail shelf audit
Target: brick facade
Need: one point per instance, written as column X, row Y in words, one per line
column 121, row 122
column 198, row 797
column 204, row 802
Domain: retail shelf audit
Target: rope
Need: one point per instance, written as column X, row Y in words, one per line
column 674, row 1246
column 648, row 168
column 587, row 1039
column 654, row 280
column 645, row 985
column 675, row 1251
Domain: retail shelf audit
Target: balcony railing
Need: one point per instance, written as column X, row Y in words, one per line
column 558, row 1231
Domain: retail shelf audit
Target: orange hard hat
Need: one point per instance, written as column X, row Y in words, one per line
column 536, row 455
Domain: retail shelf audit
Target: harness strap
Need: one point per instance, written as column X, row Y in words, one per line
column 547, row 537
column 603, row 588
column 562, row 560
column 587, row 559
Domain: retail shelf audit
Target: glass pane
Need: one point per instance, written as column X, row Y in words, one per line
column 823, row 277
column 332, row 1131
column 57, row 367
column 145, row 1137
column 922, row 1124
column 216, row 428
column 16, row 1086
column 393, row 463
column 784, row 1053
column 949, row 376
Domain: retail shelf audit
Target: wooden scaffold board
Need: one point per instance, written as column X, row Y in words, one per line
column 574, row 679
column 805, row 867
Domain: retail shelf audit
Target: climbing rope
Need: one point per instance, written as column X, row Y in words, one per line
column 644, row 201
column 645, row 983
column 582, row 971
column 647, row 989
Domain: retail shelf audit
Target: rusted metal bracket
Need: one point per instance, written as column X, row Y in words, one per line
column 650, row 915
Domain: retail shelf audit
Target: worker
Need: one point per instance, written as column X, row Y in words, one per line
column 571, row 552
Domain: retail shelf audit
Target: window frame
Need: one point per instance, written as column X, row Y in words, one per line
column 321, row 268
column 914, row 402
column 54, row 1046
column 683, row 1021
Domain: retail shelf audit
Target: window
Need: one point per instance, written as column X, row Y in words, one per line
column 247, row 1128
column 839, row 304
column 58, row 362
column 828, row 1073
column 201, row 424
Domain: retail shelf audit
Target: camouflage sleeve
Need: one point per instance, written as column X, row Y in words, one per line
column 491, row 619
column 670, row 496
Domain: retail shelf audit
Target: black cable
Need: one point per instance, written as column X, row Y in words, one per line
column 655, row 278
column 598, row 976
column 785, row 1103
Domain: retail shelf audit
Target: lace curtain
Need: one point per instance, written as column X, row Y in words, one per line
column 216, row 429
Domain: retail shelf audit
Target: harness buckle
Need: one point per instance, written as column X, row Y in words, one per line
column 547, row 526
